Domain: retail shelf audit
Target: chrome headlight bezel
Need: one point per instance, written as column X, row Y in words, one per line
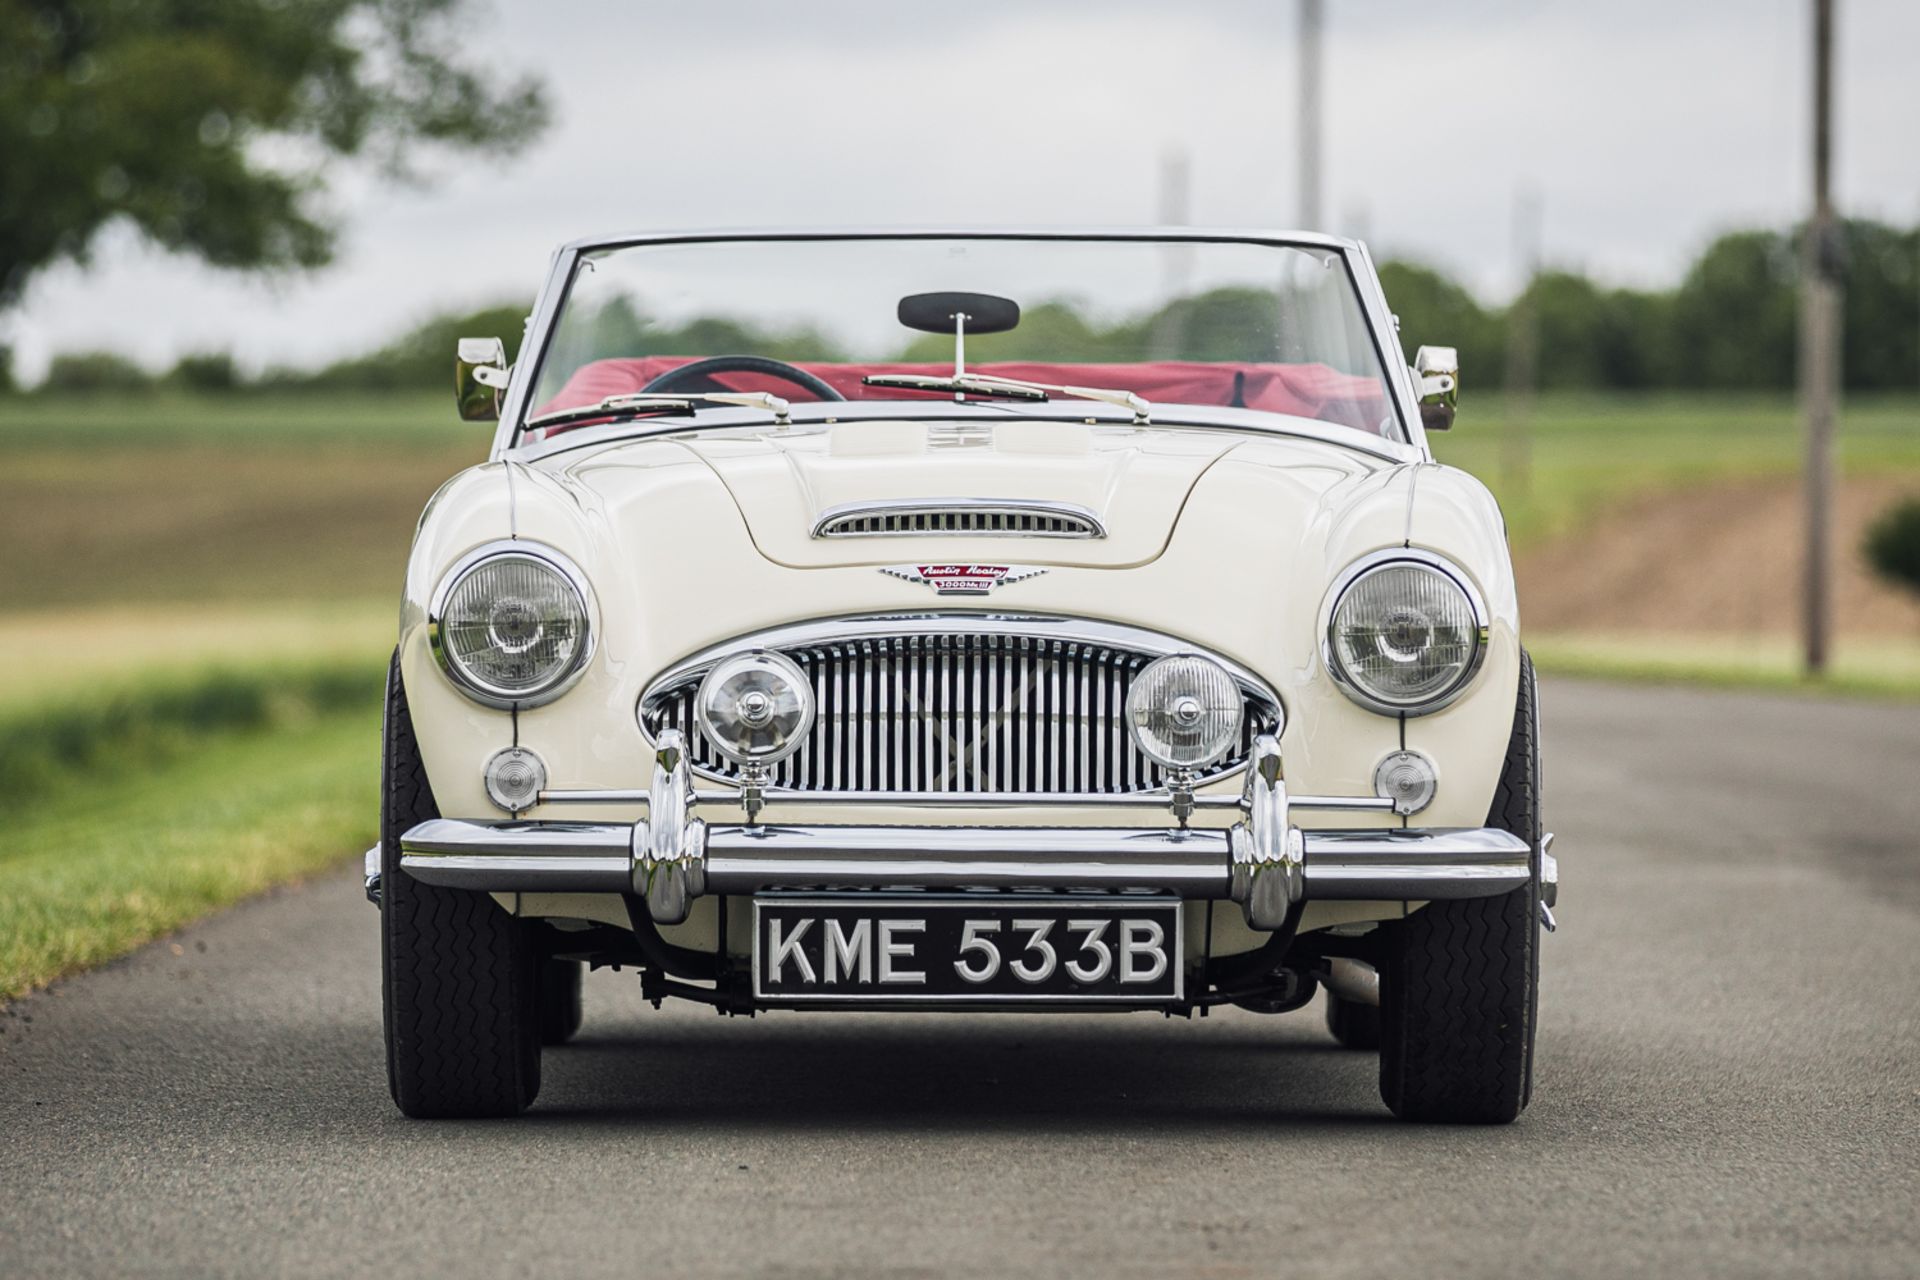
column 473, row 686
column 1430, row 562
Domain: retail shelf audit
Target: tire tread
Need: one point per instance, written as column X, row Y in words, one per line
column 460, row 974
column 1459, row 983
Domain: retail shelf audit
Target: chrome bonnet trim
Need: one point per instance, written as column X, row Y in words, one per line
column 870, row 626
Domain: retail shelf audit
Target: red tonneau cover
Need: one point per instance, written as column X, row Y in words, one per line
column 1304, row 390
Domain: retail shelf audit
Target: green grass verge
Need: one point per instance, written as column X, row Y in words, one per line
column 152, row 808
column 1864, row 669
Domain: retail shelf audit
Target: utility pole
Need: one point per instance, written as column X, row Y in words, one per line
column 1310, row 211
column 1819, row 356
column 1523, row 349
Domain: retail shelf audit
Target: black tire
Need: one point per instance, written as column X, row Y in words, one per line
column 560, row 1007
column 461, row 976
column 1459, row 983
column 1355, row 1026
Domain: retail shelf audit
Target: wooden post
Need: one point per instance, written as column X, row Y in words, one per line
column 1523, row 351
column 1819, row 357
column 1310, row 209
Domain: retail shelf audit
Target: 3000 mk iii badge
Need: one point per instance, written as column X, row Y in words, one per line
column 984, row 949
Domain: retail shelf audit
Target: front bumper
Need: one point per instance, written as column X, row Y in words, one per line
column 1263, row 861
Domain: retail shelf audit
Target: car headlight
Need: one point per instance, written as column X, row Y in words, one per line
column 755, row 707
column 1405, row 634
column 509, row 625
column 1185, row 711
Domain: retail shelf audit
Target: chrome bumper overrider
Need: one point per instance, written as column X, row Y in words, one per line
column 670, row 857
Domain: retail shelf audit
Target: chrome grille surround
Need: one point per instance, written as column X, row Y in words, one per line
column 959, row 517
column 958, row 704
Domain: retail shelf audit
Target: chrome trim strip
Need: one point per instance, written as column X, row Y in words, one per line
column 1394, row 864
column 1077, row 521
column 848, row 628
column 1416, row 864
column 818, row 415
column 496, row 873
column 749, row 859
column 486, row 695
column 950, row 800
column 538, row 841
column 1359, row 569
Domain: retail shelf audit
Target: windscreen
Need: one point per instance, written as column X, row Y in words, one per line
column 1270, row 328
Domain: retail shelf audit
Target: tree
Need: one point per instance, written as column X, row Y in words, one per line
column 1435, row 311
column 1893, row 545
column 1882, row 301
column 210, row 124
column 95, row 371
column 1735, row 316
column 420, row 358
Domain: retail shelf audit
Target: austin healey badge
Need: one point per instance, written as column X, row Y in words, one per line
column 963, row 579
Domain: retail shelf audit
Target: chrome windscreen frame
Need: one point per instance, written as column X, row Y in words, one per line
column 479, row 691
column 1365, row 565
column 852, row 628
column 1357, row 262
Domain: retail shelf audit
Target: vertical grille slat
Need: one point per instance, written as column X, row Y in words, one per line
column 983, row 714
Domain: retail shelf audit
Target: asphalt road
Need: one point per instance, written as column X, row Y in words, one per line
column 1728, row 1082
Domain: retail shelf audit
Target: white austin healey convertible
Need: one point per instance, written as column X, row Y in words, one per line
column 962, row 621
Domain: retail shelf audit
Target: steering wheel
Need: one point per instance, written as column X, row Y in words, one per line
column 674, row 379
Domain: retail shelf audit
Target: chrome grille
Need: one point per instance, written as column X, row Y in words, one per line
column 985, row 714
column 949, row 517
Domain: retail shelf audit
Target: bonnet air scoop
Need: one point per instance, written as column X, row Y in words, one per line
column 966, row 517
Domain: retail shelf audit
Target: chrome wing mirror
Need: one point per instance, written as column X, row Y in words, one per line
column 479, row 377
column 1436, row 372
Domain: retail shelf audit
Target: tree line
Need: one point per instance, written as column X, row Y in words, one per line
column 1731, row 323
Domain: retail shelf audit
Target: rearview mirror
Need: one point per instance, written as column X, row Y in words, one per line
column 1436, row 374
column 479, row 377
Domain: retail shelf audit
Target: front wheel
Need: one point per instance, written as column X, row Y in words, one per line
column 460, row 975
column 1458, row 986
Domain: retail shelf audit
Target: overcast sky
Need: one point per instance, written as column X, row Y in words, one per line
column 1646, row 126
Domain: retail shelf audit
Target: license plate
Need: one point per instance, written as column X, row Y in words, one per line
column 984, row 950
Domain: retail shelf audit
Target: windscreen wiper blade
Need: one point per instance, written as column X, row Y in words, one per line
column 982, row 384
column 634, row 404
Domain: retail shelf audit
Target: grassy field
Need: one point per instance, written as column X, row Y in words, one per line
column 149, row 806
column 199, row 593
column 237, row 499
column 1584, row 452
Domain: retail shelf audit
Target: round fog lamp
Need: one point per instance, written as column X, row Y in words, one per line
column 1184, row 711
column 1408, row 779
column 755, row 707
column 515, row 778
